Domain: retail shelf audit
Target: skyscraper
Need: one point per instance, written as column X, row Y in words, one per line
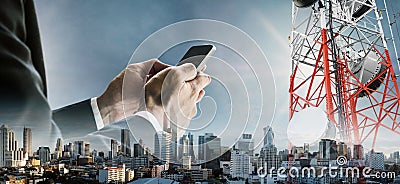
column 358, row 152
column 58, row 150
column 269, row 154
column 212, row 146
column 201, row 148
column 81, row 148
column 44, row 154
column 396, row 157
column 114, row 149
column 327, row 149
column 125, row 142
column 87, row 149
column 246, row 144
column 7, row 143
column 209, row 147
column 68, row 150
column 269, row 157
column 16, row 158
column 162, row 142
column 183, row 146
column 138, row 150
column 191, row 149
column 375, row 160
column 27, row 141
column 268, row 136
column 240, row 165
column 342, row 149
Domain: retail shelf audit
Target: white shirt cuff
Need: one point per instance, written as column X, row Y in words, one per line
column 96, row 113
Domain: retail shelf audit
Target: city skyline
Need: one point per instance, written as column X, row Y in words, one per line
column 268, row 139
column 241, row 163
column 82, row 147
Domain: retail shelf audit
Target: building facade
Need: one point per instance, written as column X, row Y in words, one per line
column 27, row 141
column 125, row 142
column 7, row 144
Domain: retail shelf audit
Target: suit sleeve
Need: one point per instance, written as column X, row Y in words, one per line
column 76, row 120
column 23, row 99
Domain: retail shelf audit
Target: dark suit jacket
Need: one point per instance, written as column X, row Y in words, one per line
column 22, row 77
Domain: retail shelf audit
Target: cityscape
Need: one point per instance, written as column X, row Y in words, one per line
column 175, row 161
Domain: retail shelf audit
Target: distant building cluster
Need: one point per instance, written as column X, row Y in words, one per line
column 174, row 159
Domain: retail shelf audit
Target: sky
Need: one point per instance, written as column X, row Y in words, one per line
column 87, row 43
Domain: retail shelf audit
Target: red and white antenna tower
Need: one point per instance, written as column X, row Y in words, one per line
column 341, row 62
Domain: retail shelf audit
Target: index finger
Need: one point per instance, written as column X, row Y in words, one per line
column 157, row 67
column 186, row 72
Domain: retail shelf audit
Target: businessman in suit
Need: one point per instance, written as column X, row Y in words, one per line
column 151, row 87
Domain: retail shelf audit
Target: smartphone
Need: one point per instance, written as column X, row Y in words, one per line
column 197, row 55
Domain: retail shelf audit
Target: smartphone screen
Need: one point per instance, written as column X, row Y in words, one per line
column 197, row 55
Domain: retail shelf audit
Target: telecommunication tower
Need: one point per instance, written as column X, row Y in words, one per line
column 341, row 62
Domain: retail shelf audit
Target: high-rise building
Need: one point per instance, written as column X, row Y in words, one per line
column 212, row 146
column 114, row 149
column 81, row 148
column 246, row 144
column 184, row 146
column 7, row 143
column 240, row 165
column 16, row 158
column 269, row 154
column 268, row 136
column 94, row 153
column 342, row 149
column 125, row 142
column 138, row 150
column 44, row 155
column 358, row 152
column 186, row 151
column 59, row 149
column 306, row 147
column 375, row 160
column 283, row 155
column 68, row 150
column 327, row 149
column 269, row 157
column 209, row 147
column 27, row 141
column 101, row 154
column 162, row 143
column 87, row 149
column 201, row 148
column 396, row 157
column 191, row 149
column 10, row 156
column 59, row 145
column 187, row 162
column 173, row 147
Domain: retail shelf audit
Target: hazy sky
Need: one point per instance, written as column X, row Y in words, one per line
column 88, row 42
